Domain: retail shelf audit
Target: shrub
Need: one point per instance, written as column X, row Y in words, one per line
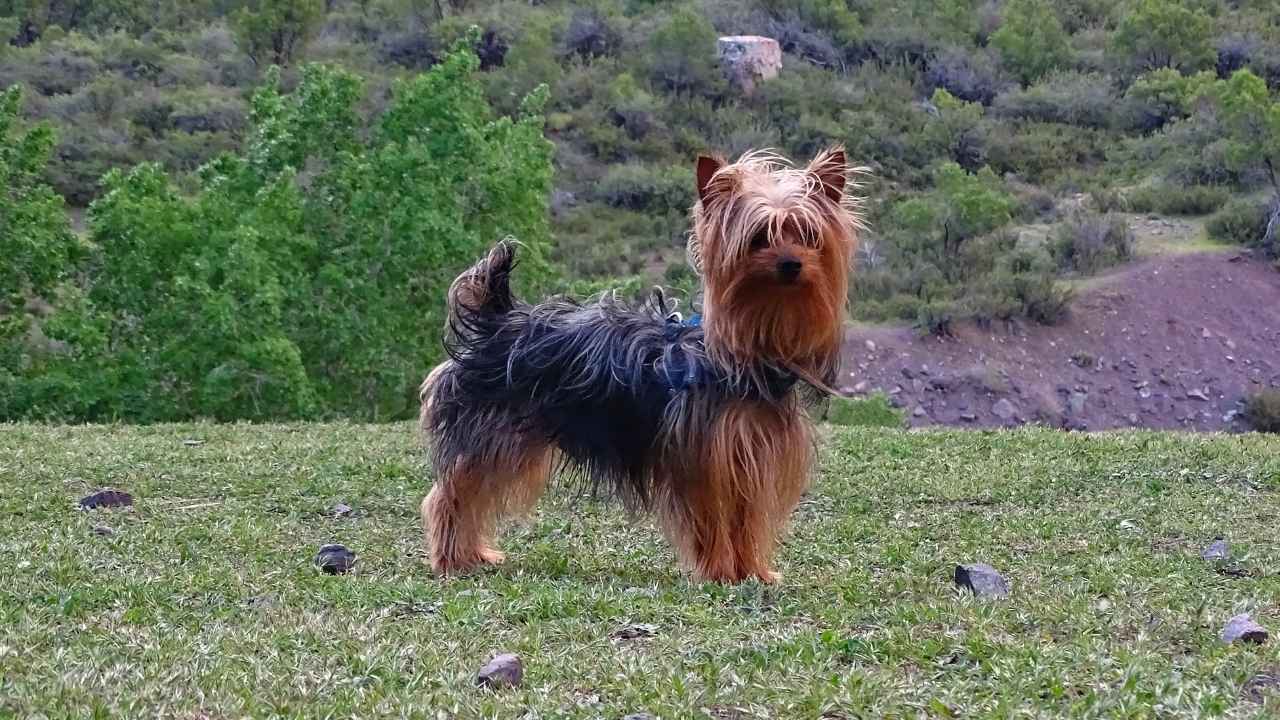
column 935, row 318
column 276, row 30
column 1031, row 39
column 682, row 54
column 1263, row 411
column 1072, row 98
column 955, row 130
column 1242, row 221
column 1088, row 242
column 1024, row 278
column 970, row 76
column 643, row 187
column 1041, row 152
column 1169, row 200
column 1161, row 96
column 1163, row 33
column 872, row 411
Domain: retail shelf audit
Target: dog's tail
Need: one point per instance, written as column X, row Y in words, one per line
column 482, row 295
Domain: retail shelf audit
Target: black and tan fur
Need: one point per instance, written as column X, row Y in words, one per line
column 705, row 425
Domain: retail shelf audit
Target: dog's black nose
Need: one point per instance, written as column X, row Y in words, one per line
column 789, row 269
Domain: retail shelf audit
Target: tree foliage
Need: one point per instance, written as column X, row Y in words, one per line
column 305, row 276
column 1164, row 33
column 273, row 32
column 38, row 252
column 1031, row 39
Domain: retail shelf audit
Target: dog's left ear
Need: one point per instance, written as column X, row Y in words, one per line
column 707, row 168
column 832, row 171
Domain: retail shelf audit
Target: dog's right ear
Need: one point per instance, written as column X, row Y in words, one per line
column 707, row 168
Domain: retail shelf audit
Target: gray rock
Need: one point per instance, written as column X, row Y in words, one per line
column 968, row 417
column 106, row 499
column 871, row 346
column 103, row 530
column 335, row 559
column 636, row 630
column 1077, row 402
column 1197, row 394
column 861, row 387
column 341, row 510
column 920, row 412
column 982, row 579
column 1004, row 409
column 1133, row 418
column 1218, row 550
column 639, row 716
column 1242, row 628
column 505, row 670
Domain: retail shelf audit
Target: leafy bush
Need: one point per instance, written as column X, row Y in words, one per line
column 1031, row 39
column 642, row 187
column 1242, row 221
column 1088, row 242
column 683, row 54
column 1263, row 411
column 1164, row 33
column 1071, row 98
column 1161, row 96
column 1169, row 200
column 872, row 411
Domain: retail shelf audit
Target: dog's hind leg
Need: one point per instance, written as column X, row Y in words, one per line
column 461, row 513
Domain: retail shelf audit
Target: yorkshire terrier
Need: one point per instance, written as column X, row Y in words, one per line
column 705, row 423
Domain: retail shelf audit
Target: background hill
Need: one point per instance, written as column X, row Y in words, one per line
column 1004, row 137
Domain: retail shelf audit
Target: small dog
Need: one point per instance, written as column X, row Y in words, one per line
column 705, row 423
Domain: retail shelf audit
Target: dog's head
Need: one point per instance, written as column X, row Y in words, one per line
column 773, row 244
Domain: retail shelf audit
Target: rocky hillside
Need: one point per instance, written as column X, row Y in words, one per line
column 1172, row 341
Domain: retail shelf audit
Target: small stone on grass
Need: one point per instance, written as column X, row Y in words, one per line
column 637, row 630
column 1258, row 687
column 1242, row 628
column 341, row 510
column 103, row 530
column 335, row 559
column 1218, row 550
column 505, row 670
column 982, row 579
column 106, row 499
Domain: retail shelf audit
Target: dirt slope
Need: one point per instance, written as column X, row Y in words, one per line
column 1174, row 341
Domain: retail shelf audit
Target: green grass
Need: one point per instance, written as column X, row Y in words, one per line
column 203, row 603
column 872, row 411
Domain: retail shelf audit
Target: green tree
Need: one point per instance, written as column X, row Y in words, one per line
column 38, row 248
column 682, row 53
column 1164, row 33
column 273, row 32
column 1031, row 39
column 1165, row 94
column 1252, row 120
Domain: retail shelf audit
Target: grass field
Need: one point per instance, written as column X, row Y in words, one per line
column 202, row 601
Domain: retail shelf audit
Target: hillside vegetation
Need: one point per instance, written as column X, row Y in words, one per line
column 278, row 191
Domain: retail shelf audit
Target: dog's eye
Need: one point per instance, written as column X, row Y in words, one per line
column 760, row 240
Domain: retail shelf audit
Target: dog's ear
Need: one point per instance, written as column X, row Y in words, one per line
column 707, row 168
column 832, row 171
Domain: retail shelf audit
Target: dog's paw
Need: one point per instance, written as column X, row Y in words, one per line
column 490, row 556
